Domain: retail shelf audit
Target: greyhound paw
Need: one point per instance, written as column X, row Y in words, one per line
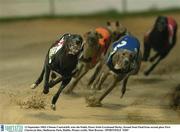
column 33, row 86
column 46, row 91
column 93, row 102
column 53, row 107
column 146, row 73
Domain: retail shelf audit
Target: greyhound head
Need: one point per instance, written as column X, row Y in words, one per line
column 91, row 46
column 74, row 44
column 122, row 59
column 92, row 38
column 116, row 29
column 160, row 24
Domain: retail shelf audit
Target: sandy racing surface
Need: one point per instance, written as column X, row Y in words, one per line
column 23, row 46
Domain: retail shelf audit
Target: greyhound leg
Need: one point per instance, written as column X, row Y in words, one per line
column 147, row 49
column 52, row 83
column 39, row 80
column 96, row 101
column 123, row 90
column 75, row 81
column 96, row 80
column 79, row 69
column 46, row 82
column 101, row 80
column 153, row 58
column 93, row 77
column 56, row 96
column 146, row 73
column 108, row 90
column 104, row 72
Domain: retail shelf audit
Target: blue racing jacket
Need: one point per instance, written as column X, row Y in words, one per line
column 128, row 42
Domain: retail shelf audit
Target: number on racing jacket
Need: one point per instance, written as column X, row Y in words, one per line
column 127, row 42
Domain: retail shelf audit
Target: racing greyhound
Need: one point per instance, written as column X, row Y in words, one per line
column 123, row 60
column 62, row 57
column 162, row 38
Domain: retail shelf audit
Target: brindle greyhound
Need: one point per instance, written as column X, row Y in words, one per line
column 123, row 60
column 95, row 47
column 62, row 58
column 161, row 38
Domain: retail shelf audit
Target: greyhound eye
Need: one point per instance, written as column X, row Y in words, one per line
column 123, row 54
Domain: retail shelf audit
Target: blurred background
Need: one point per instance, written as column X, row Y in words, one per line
column 12, row 8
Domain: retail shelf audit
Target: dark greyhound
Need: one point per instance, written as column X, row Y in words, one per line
column 62, row 58
column 122, row 61
column 161, row 38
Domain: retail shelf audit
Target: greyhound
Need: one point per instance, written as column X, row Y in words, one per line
column 62, row 57
column 123, row 60
column 162, row 38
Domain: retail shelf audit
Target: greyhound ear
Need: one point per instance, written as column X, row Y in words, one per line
column 108, row 23
column 117, row 23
